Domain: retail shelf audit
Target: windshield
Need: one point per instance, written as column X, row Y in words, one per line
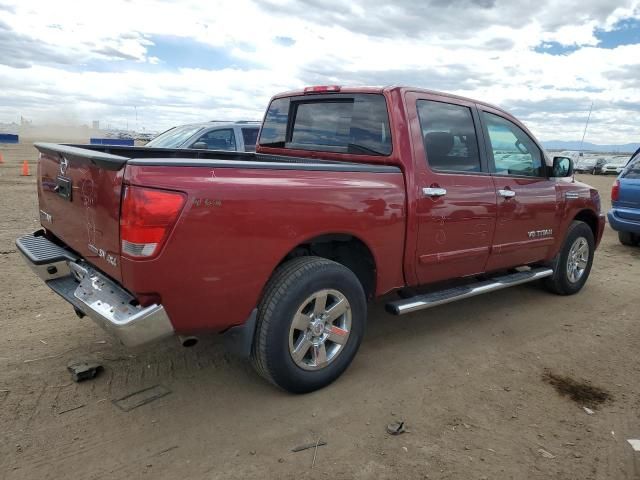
column 175, row 137
column 356, row 124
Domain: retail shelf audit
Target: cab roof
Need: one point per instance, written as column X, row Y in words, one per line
column 329, row 89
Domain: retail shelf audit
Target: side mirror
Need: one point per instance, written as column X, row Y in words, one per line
column 562, row 167
column 200, row 146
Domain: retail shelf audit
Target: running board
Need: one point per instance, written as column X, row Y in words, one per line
column 433, row 299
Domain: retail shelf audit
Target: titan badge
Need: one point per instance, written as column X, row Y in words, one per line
column 547, row 232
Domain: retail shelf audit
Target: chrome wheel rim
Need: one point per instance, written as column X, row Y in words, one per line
column 578, row 259
column 320, row 330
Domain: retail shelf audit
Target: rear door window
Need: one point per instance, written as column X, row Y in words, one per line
column 449, row 136
column 223, row 139
column 356, row 124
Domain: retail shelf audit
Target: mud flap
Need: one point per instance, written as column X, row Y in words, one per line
column 238, row 340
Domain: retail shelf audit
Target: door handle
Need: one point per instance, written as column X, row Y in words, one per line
column 434, row 191
column 507, row 193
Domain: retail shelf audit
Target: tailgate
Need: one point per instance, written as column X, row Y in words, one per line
column 79, row 193
column 629, row 192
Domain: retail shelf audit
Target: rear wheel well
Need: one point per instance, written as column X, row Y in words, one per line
column 590, row 218
column 346, row 250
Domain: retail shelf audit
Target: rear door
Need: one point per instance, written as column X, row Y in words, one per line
column 527, row 203
column 79, row 202
column 456, row 206
column 628, row 203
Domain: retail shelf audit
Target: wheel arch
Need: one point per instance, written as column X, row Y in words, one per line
column 590, row 218
column 344, row 248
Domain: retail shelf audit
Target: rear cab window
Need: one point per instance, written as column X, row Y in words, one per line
column 341, row 123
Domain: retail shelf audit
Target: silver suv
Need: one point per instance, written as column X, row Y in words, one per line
column 230, row 136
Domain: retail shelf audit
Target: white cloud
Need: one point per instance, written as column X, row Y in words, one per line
column 95, row 60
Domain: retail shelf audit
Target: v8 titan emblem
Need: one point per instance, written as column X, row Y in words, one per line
column 64, row 166
column 548, row 232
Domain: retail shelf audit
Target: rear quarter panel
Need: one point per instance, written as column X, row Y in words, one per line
column 238, row 225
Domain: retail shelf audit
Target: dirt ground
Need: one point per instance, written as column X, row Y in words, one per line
column 467, row 378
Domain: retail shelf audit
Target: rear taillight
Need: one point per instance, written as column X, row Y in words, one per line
column 146, row 219
column 615, row 191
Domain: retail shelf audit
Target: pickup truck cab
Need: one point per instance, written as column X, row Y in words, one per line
column 353, row 193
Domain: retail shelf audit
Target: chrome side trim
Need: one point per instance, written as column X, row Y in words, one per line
column 433, row 299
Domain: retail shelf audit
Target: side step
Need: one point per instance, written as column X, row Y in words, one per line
column 433, row 299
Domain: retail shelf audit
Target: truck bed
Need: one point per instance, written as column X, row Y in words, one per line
column 243, row 213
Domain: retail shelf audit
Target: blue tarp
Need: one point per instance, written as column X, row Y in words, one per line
column 123, row 142
column 9, row 138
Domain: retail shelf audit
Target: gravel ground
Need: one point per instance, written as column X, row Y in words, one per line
column 467, row 378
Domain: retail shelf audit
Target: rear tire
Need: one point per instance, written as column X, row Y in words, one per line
column 299, row 345
column 572, row 265
column 627, row 238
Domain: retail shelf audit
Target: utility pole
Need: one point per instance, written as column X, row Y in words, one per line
column 585, row 126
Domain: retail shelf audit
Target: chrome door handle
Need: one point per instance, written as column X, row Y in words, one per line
column 507, row 193
column 434, row 192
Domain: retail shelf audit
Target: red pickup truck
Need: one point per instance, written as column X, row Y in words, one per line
column 353, row 193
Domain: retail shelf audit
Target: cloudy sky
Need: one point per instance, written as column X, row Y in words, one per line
column 181, row 61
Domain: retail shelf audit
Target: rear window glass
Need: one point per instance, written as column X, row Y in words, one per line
column 633, row 168
column 357, row 124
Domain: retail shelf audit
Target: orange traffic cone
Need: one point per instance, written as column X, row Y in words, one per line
column 1, row 159
column 25, row 169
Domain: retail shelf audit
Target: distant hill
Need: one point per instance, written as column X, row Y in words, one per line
column 590, row 147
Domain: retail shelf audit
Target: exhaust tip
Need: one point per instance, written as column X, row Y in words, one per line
column 188, row 341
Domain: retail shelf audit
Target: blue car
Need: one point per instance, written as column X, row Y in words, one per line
column 624, row 216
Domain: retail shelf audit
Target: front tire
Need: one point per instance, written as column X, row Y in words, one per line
column 311, row 320
column 572, row 265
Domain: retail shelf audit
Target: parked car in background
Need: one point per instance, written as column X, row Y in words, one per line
column 614, row 166
column 597, row 168
column 584, row 165
column 228, row 136
column 624, row 216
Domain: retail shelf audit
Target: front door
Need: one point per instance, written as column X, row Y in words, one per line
column 456, row 200
column 527, row 203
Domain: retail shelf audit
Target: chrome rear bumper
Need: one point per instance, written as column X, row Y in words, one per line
column 94, row 294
